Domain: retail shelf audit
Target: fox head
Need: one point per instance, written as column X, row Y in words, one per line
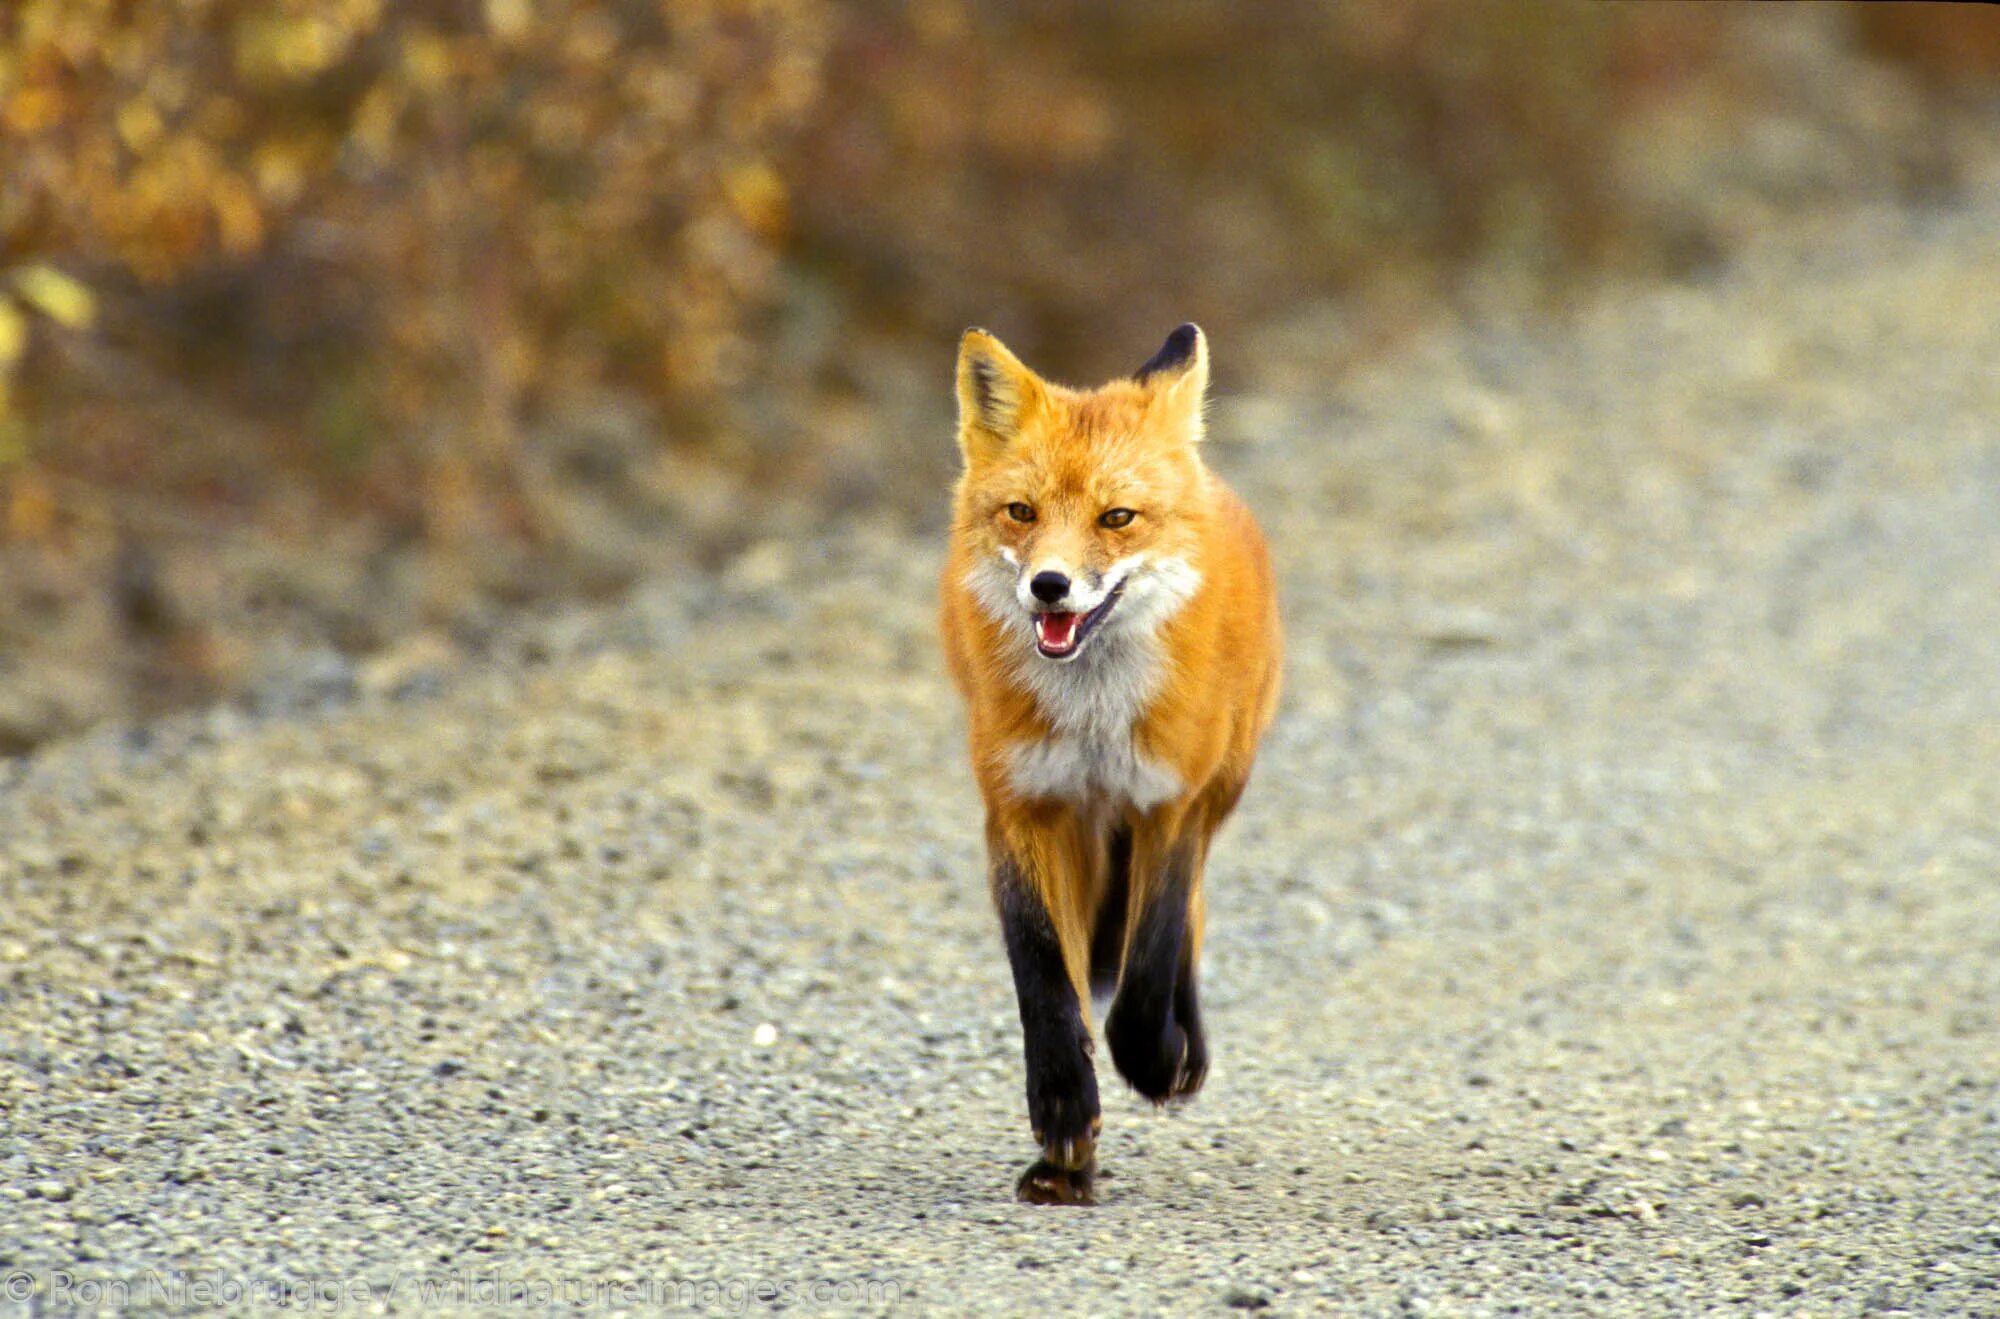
column 1082, row 509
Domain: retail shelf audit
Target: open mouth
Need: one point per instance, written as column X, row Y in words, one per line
column 1060, row 636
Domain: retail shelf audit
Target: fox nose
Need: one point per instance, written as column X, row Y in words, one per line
column 1049, row 587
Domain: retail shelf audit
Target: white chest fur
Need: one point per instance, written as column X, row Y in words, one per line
column 1089, row 768
column 1092, row 706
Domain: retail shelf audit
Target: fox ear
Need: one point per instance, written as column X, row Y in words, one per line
column 1177, row 376
column 996, row 394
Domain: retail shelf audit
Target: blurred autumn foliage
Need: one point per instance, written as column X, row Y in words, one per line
column 358, row 314
column 390, row 229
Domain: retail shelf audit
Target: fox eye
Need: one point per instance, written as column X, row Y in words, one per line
column 1116, row 518
column 1021, row 512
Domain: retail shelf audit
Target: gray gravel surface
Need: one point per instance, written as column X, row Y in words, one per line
column 1613, row 925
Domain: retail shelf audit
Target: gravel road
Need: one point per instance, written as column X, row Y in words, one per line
column 1613, row 925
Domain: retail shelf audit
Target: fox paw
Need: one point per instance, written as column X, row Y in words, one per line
column 1193, row 1070
column 1045, row 1183
column 1160, row 1061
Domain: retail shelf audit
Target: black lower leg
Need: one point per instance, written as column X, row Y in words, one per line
column 1062, row 1085
column 1154, row 1027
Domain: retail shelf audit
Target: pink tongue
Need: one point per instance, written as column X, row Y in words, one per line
column 1055, row 630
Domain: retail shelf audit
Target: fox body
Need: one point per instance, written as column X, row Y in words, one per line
column 1109, row 616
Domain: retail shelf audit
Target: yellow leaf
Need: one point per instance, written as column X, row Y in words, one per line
column 62, row 299
column 31, row 507
column 758, row 196
column 13, row 434
column 32, row 109
column 509, row 19
column 374, row 124
column 239, row 223
column 277, row 47
column 427, row 60
column 139, row 124
column 13, row 335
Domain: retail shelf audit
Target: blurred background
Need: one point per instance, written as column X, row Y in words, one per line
column 333, row 330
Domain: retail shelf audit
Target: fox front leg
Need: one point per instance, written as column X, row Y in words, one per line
column 1154, row 1027
column 1062, row 1084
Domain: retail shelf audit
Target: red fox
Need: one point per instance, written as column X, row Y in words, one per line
column 1110, row 617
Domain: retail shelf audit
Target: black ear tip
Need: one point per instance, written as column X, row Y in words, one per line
column 1175, row 353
